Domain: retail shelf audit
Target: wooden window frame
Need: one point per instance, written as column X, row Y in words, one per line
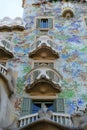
column 42, row 61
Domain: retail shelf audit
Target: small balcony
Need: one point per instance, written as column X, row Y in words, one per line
column 44, row 40
column 63, row 119
column 44, row 47
column 44, row 82
column 6, row 49
column 43, row 71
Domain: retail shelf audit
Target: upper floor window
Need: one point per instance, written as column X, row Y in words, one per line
column 44, row 23
column 5, row 43
column 48, row 64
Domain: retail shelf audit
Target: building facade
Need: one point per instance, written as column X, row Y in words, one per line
column 50, row 55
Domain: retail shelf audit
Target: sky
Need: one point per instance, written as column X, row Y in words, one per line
column 11, row 8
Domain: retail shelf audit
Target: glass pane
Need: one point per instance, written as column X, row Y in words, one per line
column 26, row 106
column 36, row 106
column 60, row 105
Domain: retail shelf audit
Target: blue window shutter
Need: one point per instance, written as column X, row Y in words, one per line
column 50, row 23
column 59, row 105
column 25, row 106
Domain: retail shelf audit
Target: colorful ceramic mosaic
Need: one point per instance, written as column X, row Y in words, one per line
column 70, row 35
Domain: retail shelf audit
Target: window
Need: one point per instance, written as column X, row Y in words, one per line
column 49, row 73
column 59, row 103
column 33, row 106
column 44, row 23
column 26, row 106
column 37, row 105
column 49, row 64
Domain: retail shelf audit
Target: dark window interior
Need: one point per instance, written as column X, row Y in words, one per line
column 37, row 105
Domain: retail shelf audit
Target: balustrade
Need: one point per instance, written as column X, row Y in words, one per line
column 3, row 69
column 63, row 119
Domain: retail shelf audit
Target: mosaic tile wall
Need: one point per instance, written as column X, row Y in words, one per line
column 71, row 39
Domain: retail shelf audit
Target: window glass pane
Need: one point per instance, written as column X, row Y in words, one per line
column 59, row 104
column 25, row 106
column 44, row 23
column 37, row 105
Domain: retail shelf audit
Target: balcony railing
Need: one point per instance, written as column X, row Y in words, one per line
column 63, row 119
column 43, row 71
column 44, row 40
column 3, row 69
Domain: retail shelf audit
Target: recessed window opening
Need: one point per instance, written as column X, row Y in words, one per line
column 44, row 23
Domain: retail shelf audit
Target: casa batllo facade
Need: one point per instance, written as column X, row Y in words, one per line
column 47, row 49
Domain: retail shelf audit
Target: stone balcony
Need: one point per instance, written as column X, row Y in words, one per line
column 44, row 48
column 43, row 71
column 44, row 82
column 6, row 49
column 44, row 40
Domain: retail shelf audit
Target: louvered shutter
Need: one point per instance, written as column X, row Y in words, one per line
column 38, row 21
column 35, row 74
column 59, row 105
column 50, row 23
column 86, row 21
column 25, row 106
